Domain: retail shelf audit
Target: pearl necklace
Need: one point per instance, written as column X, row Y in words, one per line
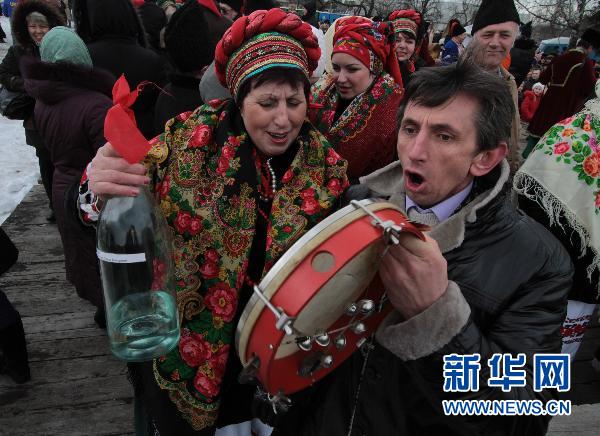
column 273, row 183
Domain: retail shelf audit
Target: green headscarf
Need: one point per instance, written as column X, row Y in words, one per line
column 62, row 44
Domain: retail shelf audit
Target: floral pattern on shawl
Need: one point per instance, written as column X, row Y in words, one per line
column 365, row 133
column 207, row 189
column 573, row 142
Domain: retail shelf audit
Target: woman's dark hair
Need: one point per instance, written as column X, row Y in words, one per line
column 409, row 35
column 278, row 75
column 421, row 28
column 432, row 87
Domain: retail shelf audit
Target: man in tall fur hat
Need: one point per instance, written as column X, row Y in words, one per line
column 495, row 29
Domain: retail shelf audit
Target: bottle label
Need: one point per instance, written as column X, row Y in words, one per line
column 121, row 258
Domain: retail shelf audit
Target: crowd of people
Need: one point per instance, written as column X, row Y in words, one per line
column 262, row 122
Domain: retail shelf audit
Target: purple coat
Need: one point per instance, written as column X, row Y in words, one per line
column 71, row 104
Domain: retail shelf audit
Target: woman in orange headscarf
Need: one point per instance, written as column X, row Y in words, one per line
column 355, row 106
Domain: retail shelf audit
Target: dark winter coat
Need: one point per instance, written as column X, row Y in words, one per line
column 71, row 104
column 570, row 79
column 10, row 71
column 509, row 279
column 114, row 45
column 182, row 94
column 154, row 20
column 521, row 58
column 10, row 75
column 8, row 257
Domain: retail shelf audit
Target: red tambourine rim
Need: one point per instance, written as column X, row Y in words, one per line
column 299, row 245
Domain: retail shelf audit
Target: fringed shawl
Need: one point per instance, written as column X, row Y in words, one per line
column 563, row 176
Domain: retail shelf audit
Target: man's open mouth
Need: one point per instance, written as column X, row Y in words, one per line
column 414, row 178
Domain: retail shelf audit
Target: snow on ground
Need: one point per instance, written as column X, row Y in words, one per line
column 19, row 169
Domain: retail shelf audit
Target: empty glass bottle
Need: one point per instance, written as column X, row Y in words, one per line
column 136, row 266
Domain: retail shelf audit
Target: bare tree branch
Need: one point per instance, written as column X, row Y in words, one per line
column 562, row 14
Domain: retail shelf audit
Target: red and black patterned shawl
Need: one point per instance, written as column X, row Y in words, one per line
column 365, row 133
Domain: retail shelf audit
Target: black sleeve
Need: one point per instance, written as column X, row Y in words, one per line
column 8, row 252
column 10, row 75
column 528, row 323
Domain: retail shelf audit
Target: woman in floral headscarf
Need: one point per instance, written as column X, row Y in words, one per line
column 559, row 186
column 239, row 181
column 409, row 32
column 355, row 106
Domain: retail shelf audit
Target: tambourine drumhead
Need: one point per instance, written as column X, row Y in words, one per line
column 330, row 267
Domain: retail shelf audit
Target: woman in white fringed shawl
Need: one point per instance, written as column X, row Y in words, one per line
column 559, row 186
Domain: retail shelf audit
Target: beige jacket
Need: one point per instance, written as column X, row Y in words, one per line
column 514, row 156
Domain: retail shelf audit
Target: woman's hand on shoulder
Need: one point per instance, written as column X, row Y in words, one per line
column 111, row 175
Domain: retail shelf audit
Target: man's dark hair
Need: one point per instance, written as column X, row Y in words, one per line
column 279, row 75
column 432, row 87
column 583, row 44
column 589, row 38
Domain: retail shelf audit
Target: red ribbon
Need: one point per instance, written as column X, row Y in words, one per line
column 120, row 128
column 210, row 4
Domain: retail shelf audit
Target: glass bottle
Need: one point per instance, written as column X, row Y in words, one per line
column 136, row 267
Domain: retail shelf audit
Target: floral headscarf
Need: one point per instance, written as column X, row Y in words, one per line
column 371, row 43
column 562, row 175
column 408, row 21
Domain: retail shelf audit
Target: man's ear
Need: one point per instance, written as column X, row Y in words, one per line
column 486, row 161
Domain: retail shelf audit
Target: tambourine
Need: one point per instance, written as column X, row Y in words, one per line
column 322, row 299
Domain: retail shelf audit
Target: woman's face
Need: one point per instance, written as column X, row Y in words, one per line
column 273, row 114
column 405, row 46
column 37, row 31
column 351, row 76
